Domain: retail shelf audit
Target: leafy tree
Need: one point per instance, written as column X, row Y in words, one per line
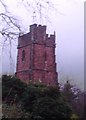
column 75, row 98
column 48, row 107
column 67, row 92
column 14, row 111
column 12, row 89
column 45, row 102
column 33, row 101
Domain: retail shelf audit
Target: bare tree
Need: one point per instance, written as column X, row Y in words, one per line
column 11, row 27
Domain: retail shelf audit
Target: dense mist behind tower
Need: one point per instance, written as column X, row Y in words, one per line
column 69, row 26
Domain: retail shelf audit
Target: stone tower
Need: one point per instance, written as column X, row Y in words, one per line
column 36, row 56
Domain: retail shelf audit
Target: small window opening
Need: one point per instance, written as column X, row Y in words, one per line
column 23, row 55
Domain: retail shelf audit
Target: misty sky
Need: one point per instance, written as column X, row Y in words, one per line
column 68, row 23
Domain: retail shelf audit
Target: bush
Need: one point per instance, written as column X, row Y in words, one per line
column 37, row 101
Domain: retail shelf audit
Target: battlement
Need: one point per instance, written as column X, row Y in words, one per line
column 36, row 56
column 37, row 28
column 37, row 35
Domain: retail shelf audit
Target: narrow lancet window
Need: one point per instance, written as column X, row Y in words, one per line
column 23, row 55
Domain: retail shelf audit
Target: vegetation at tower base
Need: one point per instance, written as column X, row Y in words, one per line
column 45, row 102
column 12, row 89
column 34, row 101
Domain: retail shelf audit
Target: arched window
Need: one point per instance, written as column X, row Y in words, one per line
column 23, row 55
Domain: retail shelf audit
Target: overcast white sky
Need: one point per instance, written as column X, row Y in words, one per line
column 68, row 23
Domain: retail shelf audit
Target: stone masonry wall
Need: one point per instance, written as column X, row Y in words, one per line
column 39, row 62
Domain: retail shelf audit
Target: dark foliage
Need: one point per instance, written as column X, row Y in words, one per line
column 12, row 89
column 34, row 101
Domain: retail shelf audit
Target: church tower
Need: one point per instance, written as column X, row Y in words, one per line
column 36, row 56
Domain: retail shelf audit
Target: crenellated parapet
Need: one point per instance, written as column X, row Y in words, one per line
column 37, row 35
column 36, row 56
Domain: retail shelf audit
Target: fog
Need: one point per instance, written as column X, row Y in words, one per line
column 68, row 23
